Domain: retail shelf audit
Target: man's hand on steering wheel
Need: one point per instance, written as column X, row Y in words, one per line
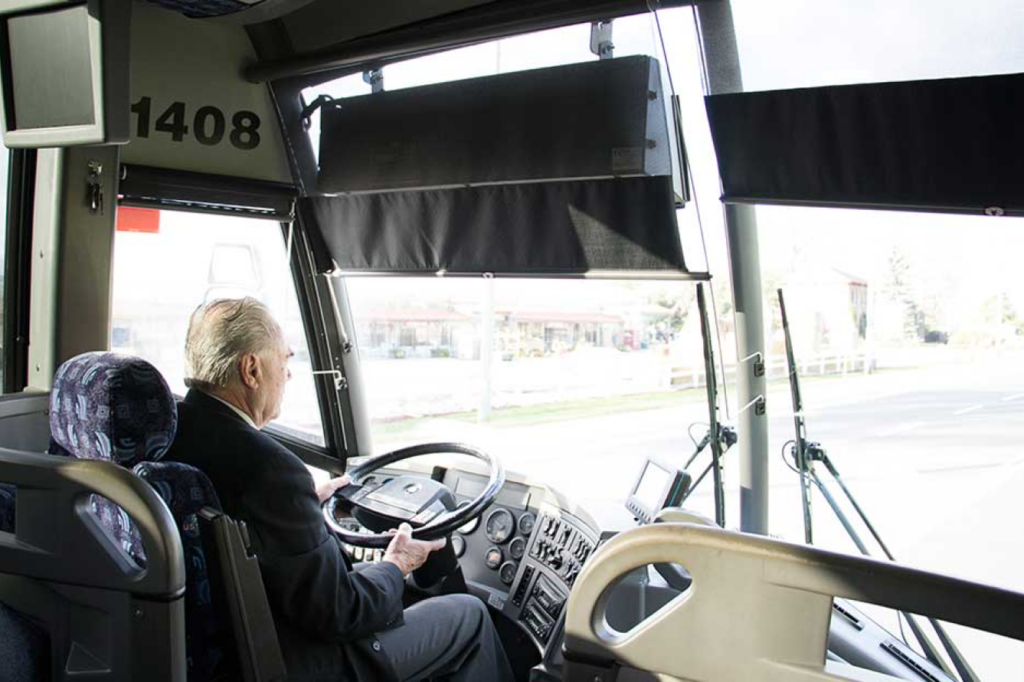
column 423, row 503
column 327, row 488
column 409, row 554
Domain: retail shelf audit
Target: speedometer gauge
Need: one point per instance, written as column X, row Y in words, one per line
column 469, row 526
column 500, row 526
column 493, row 558
column 507, row 572
column 526, row 522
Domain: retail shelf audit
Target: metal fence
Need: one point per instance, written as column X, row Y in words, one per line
column 826, row 364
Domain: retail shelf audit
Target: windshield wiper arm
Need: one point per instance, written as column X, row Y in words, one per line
column 805, row 454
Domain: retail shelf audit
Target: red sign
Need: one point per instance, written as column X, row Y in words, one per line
column 138, row 220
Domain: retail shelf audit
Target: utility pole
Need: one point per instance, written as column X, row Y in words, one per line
column 486, row 348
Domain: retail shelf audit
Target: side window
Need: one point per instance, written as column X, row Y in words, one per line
column 166, row 263
column 4, row 162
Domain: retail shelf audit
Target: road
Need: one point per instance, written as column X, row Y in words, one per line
column 935, row 457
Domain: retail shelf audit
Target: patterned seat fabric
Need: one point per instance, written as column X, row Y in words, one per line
column 117, row 408
column 114, row 408
column 24, row 648
column 186, row 490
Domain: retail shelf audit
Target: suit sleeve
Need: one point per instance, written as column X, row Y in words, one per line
column 306, row 576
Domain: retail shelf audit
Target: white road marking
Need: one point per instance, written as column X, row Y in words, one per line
column 972, row 408
column 1010, row 398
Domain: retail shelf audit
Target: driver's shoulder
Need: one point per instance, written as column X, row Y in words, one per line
column 270, row 459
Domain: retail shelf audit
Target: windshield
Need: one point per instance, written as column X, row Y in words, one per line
column 551, row 375
column 908, row 331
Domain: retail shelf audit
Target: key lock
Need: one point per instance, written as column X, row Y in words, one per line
column 94, row 187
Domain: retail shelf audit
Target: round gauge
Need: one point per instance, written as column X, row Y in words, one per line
column 517, row 549
column 507, row 572
column 500, row 526
column 526, row 523
column 493, row 557
column 469, row 526
column 458, row 545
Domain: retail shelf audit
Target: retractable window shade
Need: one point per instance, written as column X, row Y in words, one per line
column 554, row 228
column 595, row 119
column 941, row 145
column 148, row 187
column 561, row 171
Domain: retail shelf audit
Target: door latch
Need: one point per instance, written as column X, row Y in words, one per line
column 94, row 187
column 340, row 382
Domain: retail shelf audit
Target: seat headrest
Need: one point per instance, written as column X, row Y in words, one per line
column 112, row 407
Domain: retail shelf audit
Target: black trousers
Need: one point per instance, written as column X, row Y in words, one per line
column 447, row 638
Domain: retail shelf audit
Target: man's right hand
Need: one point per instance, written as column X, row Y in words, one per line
column 409, row 554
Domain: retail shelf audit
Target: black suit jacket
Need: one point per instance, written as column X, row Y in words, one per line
column 325, row 613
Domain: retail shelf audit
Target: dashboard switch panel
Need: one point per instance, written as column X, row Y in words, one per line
column 524, row 584
column 561, row 548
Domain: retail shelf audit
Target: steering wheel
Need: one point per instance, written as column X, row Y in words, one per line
column 426, row 505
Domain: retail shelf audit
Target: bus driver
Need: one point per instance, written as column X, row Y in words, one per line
column 333, row 623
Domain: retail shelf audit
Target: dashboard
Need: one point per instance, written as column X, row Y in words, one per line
column 521, row 556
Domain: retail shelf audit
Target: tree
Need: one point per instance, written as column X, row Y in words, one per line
column 899, row 289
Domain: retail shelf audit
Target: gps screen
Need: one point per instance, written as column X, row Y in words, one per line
column 651, row 489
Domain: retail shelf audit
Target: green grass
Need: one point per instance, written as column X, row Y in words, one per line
column 530, row 415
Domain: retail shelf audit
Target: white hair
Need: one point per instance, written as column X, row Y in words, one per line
column 220, row 333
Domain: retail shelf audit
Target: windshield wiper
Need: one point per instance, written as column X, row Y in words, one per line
column 805, row 453
column 711, row 382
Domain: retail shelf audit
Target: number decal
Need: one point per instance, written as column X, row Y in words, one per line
column 173, row 121
column 208, row 125
column 244, row 135
column 203, row 116
column 142, row 108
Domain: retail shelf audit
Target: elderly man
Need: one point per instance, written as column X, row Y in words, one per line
column 333, row 623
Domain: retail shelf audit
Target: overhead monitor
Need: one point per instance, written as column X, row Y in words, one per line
column 657, row 487
column 64, row 67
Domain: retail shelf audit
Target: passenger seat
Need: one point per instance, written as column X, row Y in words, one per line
column 223, row 583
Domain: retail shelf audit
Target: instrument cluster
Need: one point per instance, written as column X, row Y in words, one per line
column 507, row 536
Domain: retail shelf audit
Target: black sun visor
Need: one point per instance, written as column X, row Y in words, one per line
column 936, row 145
column 556, row 228
column 560, row 171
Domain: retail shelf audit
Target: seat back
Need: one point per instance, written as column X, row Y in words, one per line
column 226, row 607
column 187, row 492
column 111, row 412
column 104, row 590
column 134, row 429
column 72, row 597
column 758, row 608
column 115, row 408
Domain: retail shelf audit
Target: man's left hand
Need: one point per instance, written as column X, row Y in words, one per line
column 327, row 488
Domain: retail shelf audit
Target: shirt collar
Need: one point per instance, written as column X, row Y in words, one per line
column 243, row 415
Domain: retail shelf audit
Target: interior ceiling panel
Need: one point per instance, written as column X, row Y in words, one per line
column 324, row 23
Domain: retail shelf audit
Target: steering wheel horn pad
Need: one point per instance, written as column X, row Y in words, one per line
column 406, row 498
column 427, row 505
